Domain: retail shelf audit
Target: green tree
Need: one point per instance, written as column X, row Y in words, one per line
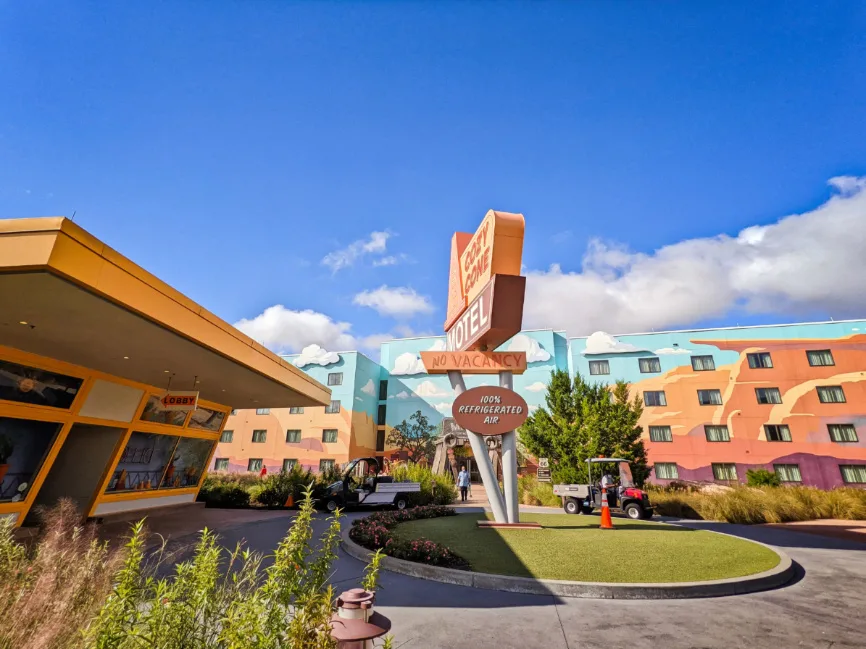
column 418, row 437
column 762, row 478
column 583, row 421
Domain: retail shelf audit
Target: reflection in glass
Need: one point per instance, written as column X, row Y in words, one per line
column 23, row 447
column 143, row 462
column 188, row 463
column 154, row 412
column 206, row 419
column 30, row 385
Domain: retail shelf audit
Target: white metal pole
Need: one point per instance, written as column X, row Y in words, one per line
column 509, row 462
column 479, row 450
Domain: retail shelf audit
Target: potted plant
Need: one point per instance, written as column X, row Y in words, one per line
column 6, row 448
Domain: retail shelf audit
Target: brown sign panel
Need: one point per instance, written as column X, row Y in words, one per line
column 492, row 318
column 489, row 410
column 474, row 362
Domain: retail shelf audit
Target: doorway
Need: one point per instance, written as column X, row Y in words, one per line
column 79, row 468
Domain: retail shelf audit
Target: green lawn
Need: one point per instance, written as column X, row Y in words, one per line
column 573, row 548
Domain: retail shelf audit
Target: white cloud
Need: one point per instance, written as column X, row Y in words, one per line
column 399, row 395
column 369, row 388
column 400, row 301
column 800, row 265
column 535, row 353
column 391, row 260
column 409, row 363
column 315, row 355
column 538, row 386
column 603, row 343
column 444, row 408
column 359, row 399
column 377, row 244
column 430, row 389
column 671, row 351
column 285, row 330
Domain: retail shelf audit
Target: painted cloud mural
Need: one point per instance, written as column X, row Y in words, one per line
column 369, row 388
column 535, row 353
column 603, row 343
column 409, row 363
column 315, row 355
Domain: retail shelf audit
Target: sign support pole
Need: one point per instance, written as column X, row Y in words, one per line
column 509, row 461
column 479, row 450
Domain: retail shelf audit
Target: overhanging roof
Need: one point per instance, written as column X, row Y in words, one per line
column 84, row 303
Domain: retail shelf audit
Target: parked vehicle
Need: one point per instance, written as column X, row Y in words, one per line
column 363, row 486
column 584, row 498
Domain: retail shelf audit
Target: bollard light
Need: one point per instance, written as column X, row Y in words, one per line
column 355, row 624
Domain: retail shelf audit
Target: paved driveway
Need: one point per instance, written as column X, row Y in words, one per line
column 825, row 609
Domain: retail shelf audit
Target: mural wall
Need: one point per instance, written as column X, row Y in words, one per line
column 790, row 398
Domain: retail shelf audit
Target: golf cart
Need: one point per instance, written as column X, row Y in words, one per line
column 362, row 485
column 584, row 498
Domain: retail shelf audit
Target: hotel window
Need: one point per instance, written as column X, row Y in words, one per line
column 263, row 411
column 788, row 472
column 326, row 465
column 649, row 365
column 187, row 464
column 761, row 360
column 254, row 464
column 777, row 433
column 660, row 434
column 227, row 436
column 703, row 363
column 655, row 398
column 768, row 395
column 329, row 435
column 725, row 471
column 24, row 445
column 598, row 368
column 381, row 415
column 383, row 390
column 221, row 464
column 667, row 471
column 296, row 410
column 820, row 358
column 259, row 436
column 842, row 433
column 23, row 384
column 853, row 473
column 289, row 464
column 831, row 394
column 293, row 436
column 717, row 433
column 380, row 440
column 335, row 378
column 709, row 397
column 333, row 409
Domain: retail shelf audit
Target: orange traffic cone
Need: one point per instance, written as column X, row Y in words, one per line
column 606, row 522
column 290, row 501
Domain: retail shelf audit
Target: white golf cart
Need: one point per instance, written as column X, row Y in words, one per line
column 584, row 498
column 363, row 486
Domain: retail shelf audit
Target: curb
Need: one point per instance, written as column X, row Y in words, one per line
column 773, row 578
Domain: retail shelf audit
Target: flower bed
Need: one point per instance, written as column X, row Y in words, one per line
column 375, row 532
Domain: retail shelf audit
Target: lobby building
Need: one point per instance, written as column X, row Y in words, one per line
column 717, row 402
column 90, row 344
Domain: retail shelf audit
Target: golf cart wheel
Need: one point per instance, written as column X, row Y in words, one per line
column 586, row 511
column 401, row 503
column 647, row 514
column 571, row 506
column 634, row 511
column 332, row 505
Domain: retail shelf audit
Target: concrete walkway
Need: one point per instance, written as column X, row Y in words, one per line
column 824, row 609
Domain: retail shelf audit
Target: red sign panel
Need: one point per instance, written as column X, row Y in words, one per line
column 492, row 318
column 489, row 410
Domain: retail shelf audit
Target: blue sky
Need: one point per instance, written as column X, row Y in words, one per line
column 231, row 147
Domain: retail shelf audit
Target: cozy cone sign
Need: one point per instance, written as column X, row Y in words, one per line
column 489, row 410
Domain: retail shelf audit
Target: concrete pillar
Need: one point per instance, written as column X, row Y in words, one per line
column 509, row 462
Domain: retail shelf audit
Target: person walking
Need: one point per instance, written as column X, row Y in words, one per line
column 463, row 483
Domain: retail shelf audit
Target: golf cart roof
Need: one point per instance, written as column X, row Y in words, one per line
column 606, row 459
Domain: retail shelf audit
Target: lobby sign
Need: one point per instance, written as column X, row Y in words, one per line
column 474, row 362
column 494, row 316
column 180, row 401
column 489, row 410
column 496, row 248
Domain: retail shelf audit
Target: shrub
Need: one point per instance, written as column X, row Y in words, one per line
column 223, row 494
column 275, row 488
column 436, row 489
column 755, row 505
column 375, row 532
column 762, row 478
column 532, row 492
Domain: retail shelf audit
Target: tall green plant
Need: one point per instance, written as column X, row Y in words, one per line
column 583, row 421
